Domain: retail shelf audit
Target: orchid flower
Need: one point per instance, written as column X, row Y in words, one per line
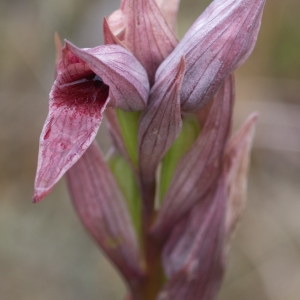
column 87, row 81
column 165, row 203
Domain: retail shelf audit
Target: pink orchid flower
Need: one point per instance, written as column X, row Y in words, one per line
column 87, row 81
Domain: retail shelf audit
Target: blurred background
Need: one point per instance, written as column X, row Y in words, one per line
column 44, row 251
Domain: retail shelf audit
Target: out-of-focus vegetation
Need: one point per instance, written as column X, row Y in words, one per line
column 45, row 253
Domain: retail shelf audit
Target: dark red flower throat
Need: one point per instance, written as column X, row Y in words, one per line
column 89, row 91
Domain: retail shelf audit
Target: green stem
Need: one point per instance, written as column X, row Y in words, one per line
column 154, row 280
column 129, row 188
column 189, row 133
column 128, row 122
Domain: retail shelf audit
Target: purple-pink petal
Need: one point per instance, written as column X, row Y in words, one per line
column 102, row 209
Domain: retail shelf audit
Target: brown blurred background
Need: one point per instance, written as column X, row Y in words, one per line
column 44, row 251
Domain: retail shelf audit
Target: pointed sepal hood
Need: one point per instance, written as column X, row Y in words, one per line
column 219, row 41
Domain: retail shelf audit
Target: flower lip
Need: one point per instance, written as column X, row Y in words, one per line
column 85, row 91
column 74, row 97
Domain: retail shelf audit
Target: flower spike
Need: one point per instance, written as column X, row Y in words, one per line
column 165, row 202
column 86, row 81
column 219, row 41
